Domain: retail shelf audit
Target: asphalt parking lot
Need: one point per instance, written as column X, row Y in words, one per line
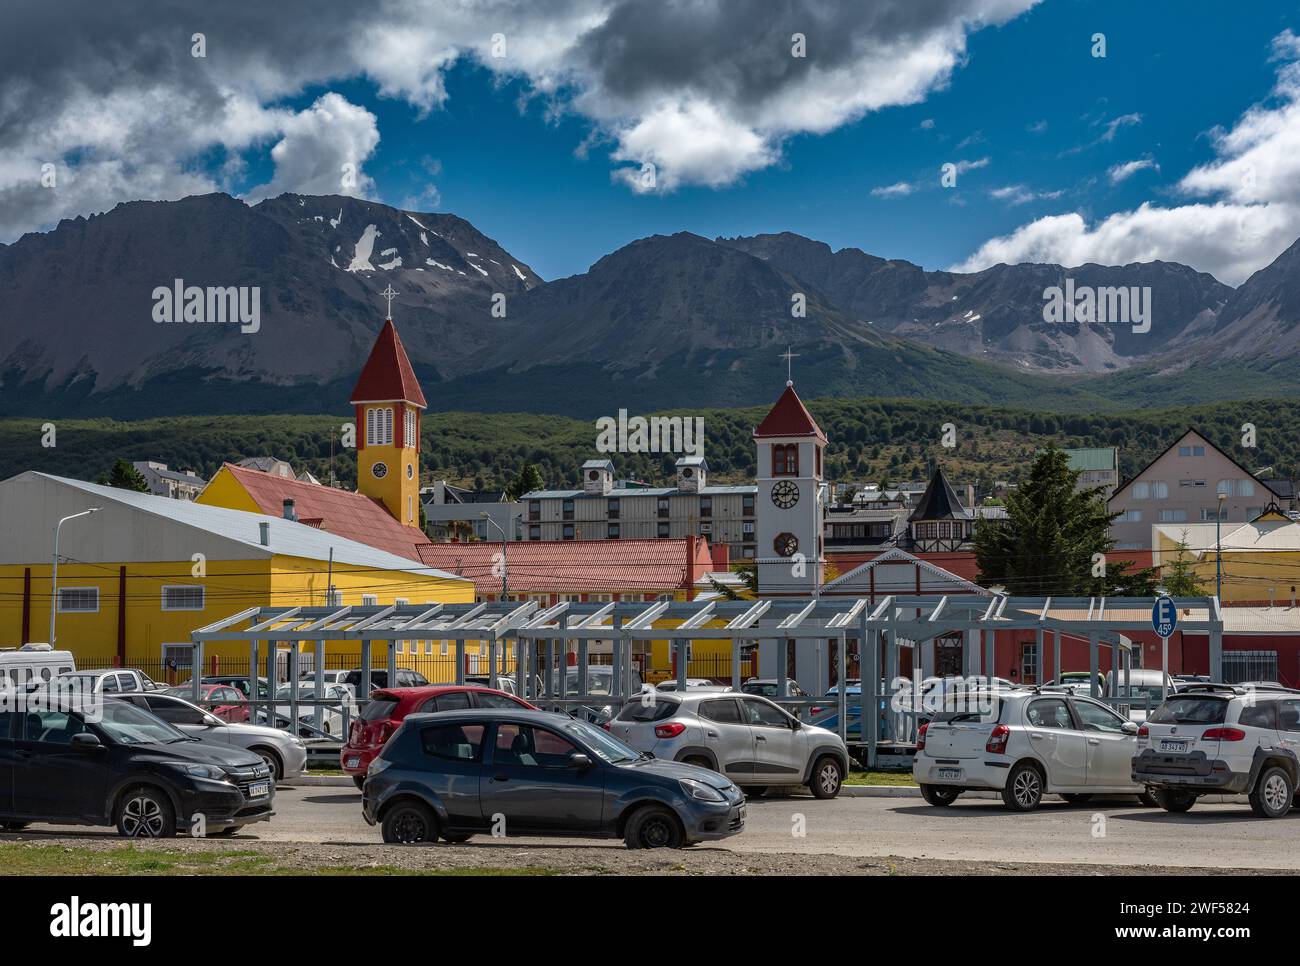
column 1111, row 833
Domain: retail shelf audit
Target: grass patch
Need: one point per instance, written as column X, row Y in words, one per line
column 903, row 778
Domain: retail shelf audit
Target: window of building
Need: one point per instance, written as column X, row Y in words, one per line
column 182, row 597
column 706, row 506
column 568, row 531
column 1129, row 516
column 369, row 600
column 613, row 531
column 612, row 508
column 1191, row 451
column 333, row 597
column 785, row 459
column 818, row 450
column 379, row 426
column 408, row 436
column 747, row 505
column 1211, row 513
column 661, row 530
column 747, row 528
column 661, row 507
column 1029, row 662
column 1236, row 487
column 78, row 600
column 534, row 509
column 1173, row 516
column 566, row 510
column 534, row 532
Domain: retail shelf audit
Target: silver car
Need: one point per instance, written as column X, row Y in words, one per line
column 744, row 736
column 284, row 754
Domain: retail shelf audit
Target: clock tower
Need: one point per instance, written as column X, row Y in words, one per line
column 389, row 404
column 790, row 499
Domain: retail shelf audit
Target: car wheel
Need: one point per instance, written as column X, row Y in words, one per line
column 828, row 776
column 272, row 762
column 409, row 823
column 14, row 826
column 456, row 838
column 145, row 812
column 698, row 762
column 359, row 780
column 1146, row 798
column 225, row 833
column 939, row 795
column 653, row 827
column 1023, row 791
column 1173, row 800
column 1273, row 792
column 1077, row 799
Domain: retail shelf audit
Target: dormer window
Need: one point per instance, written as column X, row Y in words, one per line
column 785, row 459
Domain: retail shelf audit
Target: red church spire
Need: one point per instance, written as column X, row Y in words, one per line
column 789, row 417
column 387, row 375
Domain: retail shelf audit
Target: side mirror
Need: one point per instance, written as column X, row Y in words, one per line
column 795, row 724
column 86, row 741
column 579, row 761
column 1129, row 727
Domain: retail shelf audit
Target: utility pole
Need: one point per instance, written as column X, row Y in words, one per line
column 54, row 571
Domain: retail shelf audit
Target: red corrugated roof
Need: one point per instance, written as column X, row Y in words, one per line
column 789, row 418
column 575, row 566
column 387, row 374
column 342, row 512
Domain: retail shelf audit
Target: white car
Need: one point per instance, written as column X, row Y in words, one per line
column 1025, row 744
column 327, row 718
column 1143, row 691
column 1217, row 738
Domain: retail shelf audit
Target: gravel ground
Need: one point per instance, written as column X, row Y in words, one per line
column 475, row 858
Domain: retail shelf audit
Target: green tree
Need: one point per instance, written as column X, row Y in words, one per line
column 1179, row 577
column 1049, row 541
column 526, row 480
column 124, row 476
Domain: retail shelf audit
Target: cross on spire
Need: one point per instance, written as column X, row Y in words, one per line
column 389, row 294
column 787, row 355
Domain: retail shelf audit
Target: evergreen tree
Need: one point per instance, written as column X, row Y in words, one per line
column 124, row 476
column 1180, row 578
column 527, row 480
column 1050, row 539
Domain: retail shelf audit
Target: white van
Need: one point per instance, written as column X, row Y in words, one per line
column 32, row 664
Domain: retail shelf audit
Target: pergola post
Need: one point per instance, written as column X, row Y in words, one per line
column 196, row 670
column 1092, row 664
column 782, row 663
column 392, row 663
column 842, row 663
column 1039, row 658
column 363, row 692
column 735, row 662
column 1216, row 652
column 990, row 643
column 460, row 660
column 319, row 648
column 492, row 661
column 582, row 667
column 1056, row 655
column 683, row 659
column 292, row 667
column 870, row 688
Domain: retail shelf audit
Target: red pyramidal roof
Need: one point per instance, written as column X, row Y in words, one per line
column 387, row 375
column 789, row 418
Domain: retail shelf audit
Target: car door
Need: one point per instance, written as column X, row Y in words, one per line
column 54, row 778
column 1056, row 740
column 1110, row 749
column 779, row 750
column 1286, row 718
column 530, row 781
column 725, row 732
column 453, row 759
column 187, row 718
column 9, row 723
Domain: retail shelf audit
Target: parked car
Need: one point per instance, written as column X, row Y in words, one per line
column 406, row 678
column 1143, row 691
column 767, row 687
column 284, row 754
column 692, row 684
column 504, row 683
column 327, row 718
column 1221, row 738
column 84, row 761
column 748, row 738
column 388, row 707
column 31, row 665
column 451, row 775
column 1076, row 682
column 240, row 682
column 215, row 698
column 1025, row 744
column 110, row 681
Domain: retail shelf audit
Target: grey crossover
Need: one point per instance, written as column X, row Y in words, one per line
column 502, row 772
column 746, row 737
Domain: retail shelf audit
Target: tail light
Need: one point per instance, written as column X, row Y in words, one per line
column 1143, row 731
column 1224, row 734
column 920, row 736
column 354, row 733
column 670, row 730
column 815, row 711
column 386, row 731
column 605, row 725
column 997, row 743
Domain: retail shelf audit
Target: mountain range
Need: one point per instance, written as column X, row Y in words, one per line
column 664, row 322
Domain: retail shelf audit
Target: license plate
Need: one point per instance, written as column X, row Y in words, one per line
column 259, row 789
column 950, row 774
column 740, row 812
column 354, row 762
column 1173, row 746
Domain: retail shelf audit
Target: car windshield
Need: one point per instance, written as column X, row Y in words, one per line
column 1191, row 709
column 1142, row 692
column 130, row 725
column 605, row 745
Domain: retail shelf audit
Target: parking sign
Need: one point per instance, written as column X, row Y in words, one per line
column 1164, row 616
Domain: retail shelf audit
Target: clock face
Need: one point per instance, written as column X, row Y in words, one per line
column 380, row 470
column 786, row 544
column 410, row 471
column 785, row 494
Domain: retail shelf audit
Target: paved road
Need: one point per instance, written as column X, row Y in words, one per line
column 1210, row 835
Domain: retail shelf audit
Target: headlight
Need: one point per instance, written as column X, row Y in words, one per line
column 204, row 771
column 701, row 791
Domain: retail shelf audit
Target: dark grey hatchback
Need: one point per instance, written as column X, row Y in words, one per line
column 456, row 773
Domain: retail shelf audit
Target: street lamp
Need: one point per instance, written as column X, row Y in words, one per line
column 1218, row 549
column 485, row 516
column 54, row 572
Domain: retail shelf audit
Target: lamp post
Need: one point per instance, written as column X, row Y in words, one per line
column 54, row 571
column 504, row 577
column 1218, row 549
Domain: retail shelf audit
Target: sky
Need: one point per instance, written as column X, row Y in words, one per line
column 541, row 122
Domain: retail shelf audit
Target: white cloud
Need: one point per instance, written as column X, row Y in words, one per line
column 897, row 190
column 1243, row 207
column 1116, row 123
column 1122, row 172
column 321, row 151
column 1019, row 194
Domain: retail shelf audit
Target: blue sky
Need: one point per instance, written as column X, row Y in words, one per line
column 1184, row 68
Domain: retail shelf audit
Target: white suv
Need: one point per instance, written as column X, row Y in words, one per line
column 1217, row 738
column 1025, row 744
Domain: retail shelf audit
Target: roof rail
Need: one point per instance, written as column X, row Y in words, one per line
column 1205, row 686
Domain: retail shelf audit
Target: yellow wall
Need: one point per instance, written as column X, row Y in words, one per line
column 224, row 490
column 1247, row 575
column 398, row 491
column 229, row 587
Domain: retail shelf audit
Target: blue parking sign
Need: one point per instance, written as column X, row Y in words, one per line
column 1164, row 616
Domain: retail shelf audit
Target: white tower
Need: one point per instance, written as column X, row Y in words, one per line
column 789, row 506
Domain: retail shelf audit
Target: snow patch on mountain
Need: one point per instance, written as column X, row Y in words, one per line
column 364, row 248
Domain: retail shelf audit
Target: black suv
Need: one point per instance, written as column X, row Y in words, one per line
column 518, row 772
column 89, row 760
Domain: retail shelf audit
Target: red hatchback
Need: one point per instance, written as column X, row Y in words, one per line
column 388, row 706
